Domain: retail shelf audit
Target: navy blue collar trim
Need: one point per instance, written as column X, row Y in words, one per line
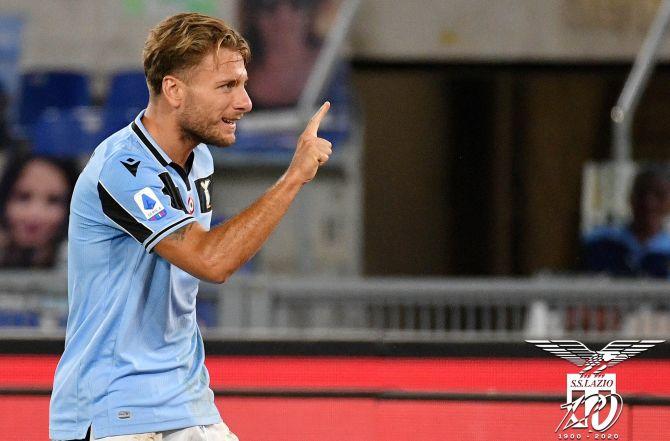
column 148, row 144
column 184, row 172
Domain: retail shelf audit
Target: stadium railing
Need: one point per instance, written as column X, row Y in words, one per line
column 496, row 309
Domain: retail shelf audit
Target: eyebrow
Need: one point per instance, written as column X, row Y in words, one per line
column 231, row 61
column 233, row 79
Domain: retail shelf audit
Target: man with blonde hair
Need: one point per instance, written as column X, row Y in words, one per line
column 139, row 240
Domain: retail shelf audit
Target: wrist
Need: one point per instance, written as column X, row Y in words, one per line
column 291, row 180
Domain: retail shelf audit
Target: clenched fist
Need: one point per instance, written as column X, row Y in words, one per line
column 311, row 151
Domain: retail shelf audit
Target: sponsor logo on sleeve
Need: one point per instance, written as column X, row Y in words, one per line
column 151, row 206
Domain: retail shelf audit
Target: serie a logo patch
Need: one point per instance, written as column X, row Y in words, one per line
column 151, row 206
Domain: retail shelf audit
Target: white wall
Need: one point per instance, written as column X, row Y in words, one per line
column 94, row 35
column 104, row 35
column 503, row 29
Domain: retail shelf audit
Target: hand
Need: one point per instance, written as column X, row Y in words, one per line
column 311, row 151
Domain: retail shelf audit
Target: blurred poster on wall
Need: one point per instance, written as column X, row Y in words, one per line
column 35, row 192
column 285, row 38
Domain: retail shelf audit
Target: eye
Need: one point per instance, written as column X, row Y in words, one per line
column 227, row 86
column 54, row 199
column 22, row 196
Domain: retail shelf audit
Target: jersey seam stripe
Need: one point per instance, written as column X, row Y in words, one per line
column 175, row 194
column 124, row 209
column 148, row 144
column 157, row 235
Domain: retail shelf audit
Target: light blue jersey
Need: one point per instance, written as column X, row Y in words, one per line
column 134, row 358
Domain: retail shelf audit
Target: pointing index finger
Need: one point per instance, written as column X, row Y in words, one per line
column 313, row 124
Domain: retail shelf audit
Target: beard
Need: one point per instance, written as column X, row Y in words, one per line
column 196, row 126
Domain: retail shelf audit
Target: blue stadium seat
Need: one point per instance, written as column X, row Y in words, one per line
column 128, row 95
column 9, row 318
column 114, row 119
column 42, row 90
column 67, row 132
column 127, row 90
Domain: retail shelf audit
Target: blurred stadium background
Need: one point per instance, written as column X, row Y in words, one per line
column 475, row 149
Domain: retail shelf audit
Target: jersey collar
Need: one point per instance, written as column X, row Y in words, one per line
column 148, row 141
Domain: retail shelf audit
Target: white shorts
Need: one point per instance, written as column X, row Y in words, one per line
column 213, row 432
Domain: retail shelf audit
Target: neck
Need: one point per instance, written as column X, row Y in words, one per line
column 162, row 125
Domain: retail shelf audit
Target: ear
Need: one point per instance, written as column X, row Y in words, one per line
column 173, row 90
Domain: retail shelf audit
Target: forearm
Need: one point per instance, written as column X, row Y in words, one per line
column 229, row 246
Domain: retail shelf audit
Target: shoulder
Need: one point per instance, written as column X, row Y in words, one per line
column 203, row 161
column 202, row 153
column 125, row 157
column 109, row 154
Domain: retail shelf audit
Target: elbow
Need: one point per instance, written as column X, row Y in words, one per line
column 216, row 272
column 219, row 278
column 216, row 280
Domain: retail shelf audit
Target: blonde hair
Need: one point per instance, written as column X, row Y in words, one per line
column 181, row 41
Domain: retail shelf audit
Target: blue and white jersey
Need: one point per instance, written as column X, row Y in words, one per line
column 134, row 357
column 615, row 250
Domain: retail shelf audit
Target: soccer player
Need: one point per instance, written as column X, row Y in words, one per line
column 139, row 240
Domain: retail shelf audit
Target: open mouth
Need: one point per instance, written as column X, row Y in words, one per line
column 230, row 122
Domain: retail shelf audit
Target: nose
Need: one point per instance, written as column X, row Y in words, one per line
column 33, row 209
column 243, row 102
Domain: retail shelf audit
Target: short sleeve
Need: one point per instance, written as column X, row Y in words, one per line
column 136, row 198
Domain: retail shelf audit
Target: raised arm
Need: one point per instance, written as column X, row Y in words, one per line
column 216, row 254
